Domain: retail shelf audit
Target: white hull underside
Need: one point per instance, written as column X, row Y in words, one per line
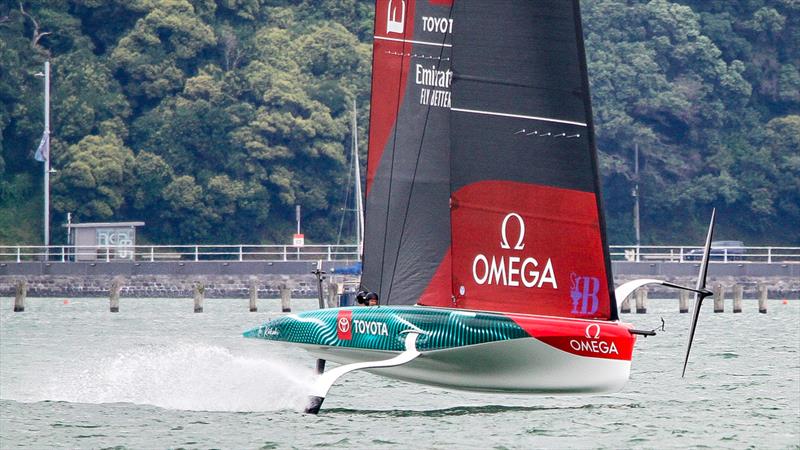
column 517, row 365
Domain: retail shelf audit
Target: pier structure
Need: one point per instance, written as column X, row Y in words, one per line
column 240, row 277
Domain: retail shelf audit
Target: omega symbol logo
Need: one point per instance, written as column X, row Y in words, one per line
column 344, row 324
column 504, row 233
column 393, row 24
column 594, row 344
column 593, row 331
column 510, row 268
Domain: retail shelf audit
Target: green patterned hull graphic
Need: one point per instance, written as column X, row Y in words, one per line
column 381, row 328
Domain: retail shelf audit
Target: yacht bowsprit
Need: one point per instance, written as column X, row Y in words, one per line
column 484, row 236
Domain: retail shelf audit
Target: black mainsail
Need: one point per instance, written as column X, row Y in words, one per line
column 490, row 201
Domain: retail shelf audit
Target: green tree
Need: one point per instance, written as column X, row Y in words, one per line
column 151, row 176
column 92, row 182
column 184, row 218
column 87, row 96
column 155, row 55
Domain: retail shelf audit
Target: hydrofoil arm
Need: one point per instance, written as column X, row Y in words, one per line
column 626, row 289
column 320, row 388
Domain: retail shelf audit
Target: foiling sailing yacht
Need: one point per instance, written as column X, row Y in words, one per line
column 484, row 235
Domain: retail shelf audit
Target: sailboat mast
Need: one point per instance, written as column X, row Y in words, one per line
column 359, row 198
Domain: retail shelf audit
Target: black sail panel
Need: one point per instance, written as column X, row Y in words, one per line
column 526, row 220
column 407, row 229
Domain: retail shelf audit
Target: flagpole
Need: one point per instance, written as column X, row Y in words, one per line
column 47, row 158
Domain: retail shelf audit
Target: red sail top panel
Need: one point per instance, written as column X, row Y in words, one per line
column 394, row 28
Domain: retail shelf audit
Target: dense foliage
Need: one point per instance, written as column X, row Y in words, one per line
column 211, row 119
column 710, row 90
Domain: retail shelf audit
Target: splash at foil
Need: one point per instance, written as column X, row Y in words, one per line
column 185, row 377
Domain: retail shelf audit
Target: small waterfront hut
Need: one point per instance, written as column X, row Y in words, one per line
column 104, row 241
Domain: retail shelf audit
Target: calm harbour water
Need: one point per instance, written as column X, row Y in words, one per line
column 157, row 375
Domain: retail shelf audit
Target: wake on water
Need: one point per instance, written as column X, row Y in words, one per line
column 182, row 376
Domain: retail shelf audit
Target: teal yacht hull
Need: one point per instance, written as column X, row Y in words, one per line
column 468, row 350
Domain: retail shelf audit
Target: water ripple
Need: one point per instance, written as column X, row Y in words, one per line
column 159, row 376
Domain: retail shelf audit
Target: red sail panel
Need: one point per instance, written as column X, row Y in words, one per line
column 394, row 26
column 529, row 249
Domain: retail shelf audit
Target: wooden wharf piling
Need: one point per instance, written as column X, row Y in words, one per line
column 683, row 305
column 113, row 294
column 333, row 294
column 641, row 301
column 738, row 293
column 286, row 299
column 762, row 298
column 21, row 292
column 626, row 305
column 719, row 298
column 199, row 296
column 253, row 295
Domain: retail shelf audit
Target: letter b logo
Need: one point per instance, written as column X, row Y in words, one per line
column 583, row 291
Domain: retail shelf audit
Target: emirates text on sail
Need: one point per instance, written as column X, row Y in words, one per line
column 433, row 76
column 436, row 78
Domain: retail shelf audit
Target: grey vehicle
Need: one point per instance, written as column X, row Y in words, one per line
column 720, row 251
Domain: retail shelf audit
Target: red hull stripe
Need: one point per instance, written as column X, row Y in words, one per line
column 609, row 340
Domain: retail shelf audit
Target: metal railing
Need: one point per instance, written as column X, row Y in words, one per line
column 685, row 253
column 152, row 253
column 328, row 252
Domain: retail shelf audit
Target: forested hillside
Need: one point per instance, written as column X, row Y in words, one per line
column 211, row 119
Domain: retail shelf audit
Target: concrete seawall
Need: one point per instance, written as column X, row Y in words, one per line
column 163, row 279
column 233, row 279
column 160, row 286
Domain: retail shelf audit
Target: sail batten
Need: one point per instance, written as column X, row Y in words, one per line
column 411, row 41
column 519, row 116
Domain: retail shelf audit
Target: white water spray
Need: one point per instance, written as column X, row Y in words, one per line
column 187, row 377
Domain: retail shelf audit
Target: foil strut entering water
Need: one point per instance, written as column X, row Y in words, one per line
column 326, row 380
column 701, row 292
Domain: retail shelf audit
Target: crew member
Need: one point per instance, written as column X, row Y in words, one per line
column 372, row 299
column 361, row 298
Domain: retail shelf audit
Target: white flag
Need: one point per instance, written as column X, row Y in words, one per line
column 43, row 151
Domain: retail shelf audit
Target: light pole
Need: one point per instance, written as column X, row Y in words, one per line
column 636, row 198
column 44, row 151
